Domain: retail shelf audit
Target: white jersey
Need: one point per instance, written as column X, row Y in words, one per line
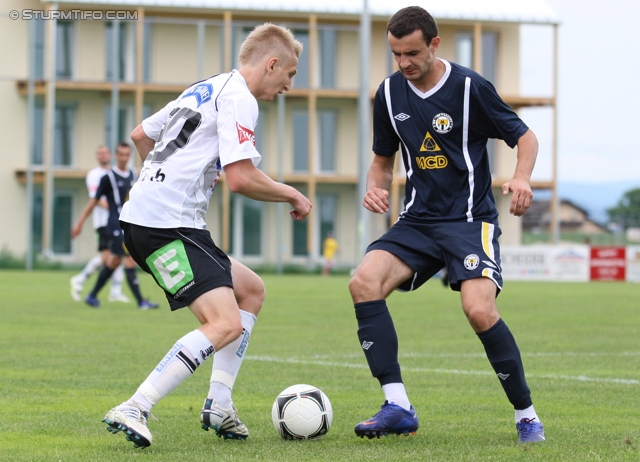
column 210, row 125
column 100, row 215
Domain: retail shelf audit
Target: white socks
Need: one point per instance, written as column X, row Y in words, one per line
column 528, row 413
column 396, row 394
column 227, row 362
column 91, row 267
column 116, row 281
column 178, row 364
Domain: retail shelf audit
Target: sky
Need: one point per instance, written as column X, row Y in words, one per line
column 598, row 98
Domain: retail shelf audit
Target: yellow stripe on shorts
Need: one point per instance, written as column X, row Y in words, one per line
column 487, row 240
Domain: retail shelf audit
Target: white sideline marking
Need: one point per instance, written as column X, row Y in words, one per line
column 318, row 362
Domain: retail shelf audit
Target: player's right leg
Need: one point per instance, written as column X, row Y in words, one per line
column 378, row 274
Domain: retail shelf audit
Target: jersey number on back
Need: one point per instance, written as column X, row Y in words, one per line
column 176, row 133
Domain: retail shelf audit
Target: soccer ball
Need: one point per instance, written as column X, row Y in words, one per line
column 302, row 412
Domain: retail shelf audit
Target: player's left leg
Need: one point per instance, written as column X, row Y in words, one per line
column 478, row 302
column 218, row 411
column 77, row 281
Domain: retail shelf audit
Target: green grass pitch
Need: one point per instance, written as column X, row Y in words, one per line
column 63, row 365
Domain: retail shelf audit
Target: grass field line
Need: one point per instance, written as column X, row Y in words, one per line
column 483, row 355
column 317, row 362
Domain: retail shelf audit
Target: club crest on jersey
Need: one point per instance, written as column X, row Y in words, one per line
column 442, row 123
column 244, row 134
column 202, row 93
column 471, row 261
column 429, row 144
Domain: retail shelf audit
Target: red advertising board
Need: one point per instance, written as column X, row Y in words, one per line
column 608, row 263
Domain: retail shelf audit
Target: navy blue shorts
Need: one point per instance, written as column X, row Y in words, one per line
column 184, row 262
column 467, row 250
column 103, row 243
column 115, row 241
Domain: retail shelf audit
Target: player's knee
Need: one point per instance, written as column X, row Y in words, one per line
column 230, row 330
column 361, row 287
column 481, row 317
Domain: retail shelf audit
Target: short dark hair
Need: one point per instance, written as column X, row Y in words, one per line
column 410, row 19
column 123, row 144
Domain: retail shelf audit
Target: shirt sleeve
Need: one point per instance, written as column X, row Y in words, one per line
column 104, row 186
column 154, row 124
column 385, row 139
column 237, row 119
column 499, row 120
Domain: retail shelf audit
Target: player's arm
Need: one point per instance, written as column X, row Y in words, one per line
column 243, row 178
column 520, row 184
column 143, row 143
column 379, row 180
column 77, row 228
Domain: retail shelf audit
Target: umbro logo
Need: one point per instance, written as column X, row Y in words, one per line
column 401, row 117
column 502, row 376
column 366, row 345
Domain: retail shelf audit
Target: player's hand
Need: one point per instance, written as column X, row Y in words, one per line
column 376, row 200
column 522, row 195
column 301, row 207
column 76, row 230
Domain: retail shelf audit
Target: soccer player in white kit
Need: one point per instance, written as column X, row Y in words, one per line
column 185, row 147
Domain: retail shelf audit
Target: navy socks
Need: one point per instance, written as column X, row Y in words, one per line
column 504, row 356
column 378, row 340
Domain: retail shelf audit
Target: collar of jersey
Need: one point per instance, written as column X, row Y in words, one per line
column 439, row 85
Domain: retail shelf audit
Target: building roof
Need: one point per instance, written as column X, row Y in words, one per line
column 516, row 11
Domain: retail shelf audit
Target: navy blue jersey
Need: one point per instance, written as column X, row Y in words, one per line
column 442, row 136
column 115, row 188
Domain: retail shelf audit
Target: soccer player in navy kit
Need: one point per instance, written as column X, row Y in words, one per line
column 115, row 186
column 440, row 116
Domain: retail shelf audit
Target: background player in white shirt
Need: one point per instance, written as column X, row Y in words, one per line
column 185, row 146
column 100, row 215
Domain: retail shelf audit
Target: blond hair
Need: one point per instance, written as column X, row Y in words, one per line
column 268, row 38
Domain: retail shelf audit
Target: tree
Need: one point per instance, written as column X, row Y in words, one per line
column 627, row 212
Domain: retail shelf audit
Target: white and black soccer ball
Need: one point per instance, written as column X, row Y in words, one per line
column 302, row 412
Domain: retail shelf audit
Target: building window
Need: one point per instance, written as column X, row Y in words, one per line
column 300, row 238
column 37, row 155
column 64, row 49
column 464, row 53
column 124, row 126
column 327, row 206
column 63, row 148
column 300, row 141
column 146, row 57
column 464, row 49
column 489, row 55
column 62, row 215
column 302, row 78
column 246, row 226
column 327, row 139
column 63, row 152
column 36, row 220
column 327, row 58
column 62, row 207
column 126, row 51
column 39, row 48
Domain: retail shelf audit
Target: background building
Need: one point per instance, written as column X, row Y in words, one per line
column 62, row 76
